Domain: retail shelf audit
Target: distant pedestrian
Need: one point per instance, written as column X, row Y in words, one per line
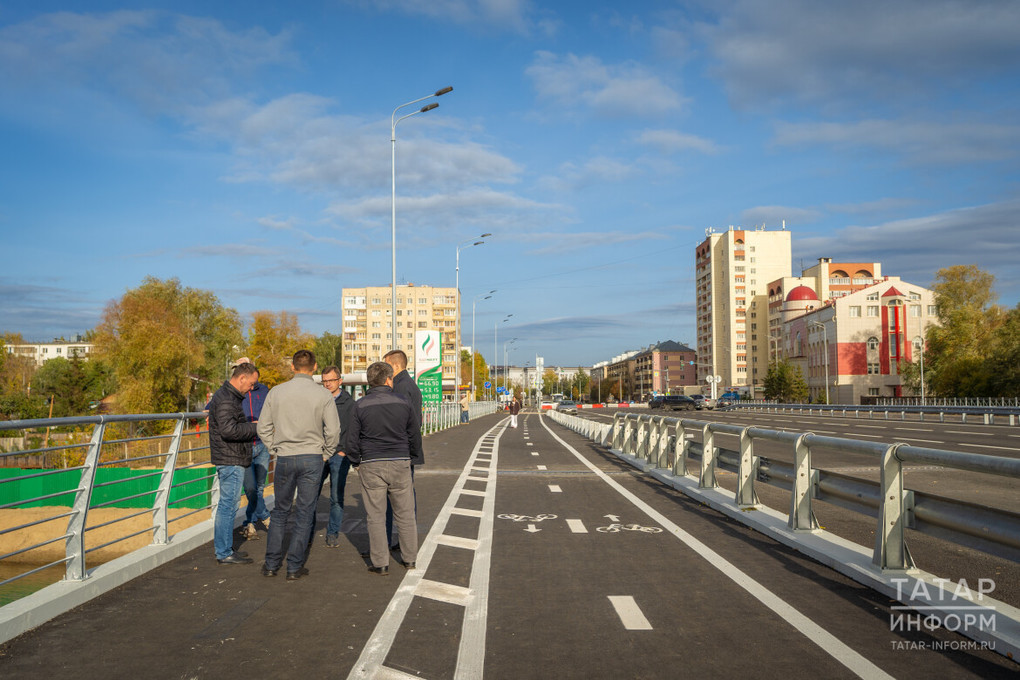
column 230, row 449
column 338, row 465
column 300, row 426
column 405, row 386
column 465, row 407
column 255, row 474
column 384, row 439
column 515, row 408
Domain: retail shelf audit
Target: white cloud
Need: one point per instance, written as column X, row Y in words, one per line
column 824, row 51
column 599, row 170
column 617, row 90
column 674, row 141
column 877, row 206
column 513, row 15
column 774, row 215
column 558, row 242
column 916, row 248
column 919, row 141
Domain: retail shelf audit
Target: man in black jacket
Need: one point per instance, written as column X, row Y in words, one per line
column 384, row 440
column 405, row 386
column 230, row 437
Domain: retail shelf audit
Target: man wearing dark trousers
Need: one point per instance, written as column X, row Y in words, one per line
column 300, row 426
column 337, row 467
column 230, row 437
column 384, row 439
column 405, row 386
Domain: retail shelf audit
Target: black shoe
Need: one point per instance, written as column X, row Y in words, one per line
column 367, row 553
column 236, row 558
column 382, row 571
column 295, row 575
column 408, row 565
column 266, row 571
column 395, row 547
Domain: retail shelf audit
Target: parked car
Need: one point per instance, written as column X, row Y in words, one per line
column 700, row 401
column 655, row 402
column 723, row 402
column 678, row 402
column 567, row 407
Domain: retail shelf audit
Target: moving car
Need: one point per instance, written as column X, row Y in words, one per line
column 655, row 402
column 567, row 407
column 678, row 402
column 700, row 400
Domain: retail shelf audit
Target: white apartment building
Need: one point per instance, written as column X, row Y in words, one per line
column 732, row 272
column 365, row 315
column 40, row 352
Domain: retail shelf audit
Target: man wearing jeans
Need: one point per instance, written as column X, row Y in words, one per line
column 230, row 437
column 384, row 439
column 300, row 426
column 255, row 475
column 337, row 467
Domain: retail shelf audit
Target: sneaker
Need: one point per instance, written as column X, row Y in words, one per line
column 332, row 540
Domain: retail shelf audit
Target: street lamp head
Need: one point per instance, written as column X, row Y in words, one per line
column 484, row 235
column 428, row 107
column 440, row 93
column 478, row 243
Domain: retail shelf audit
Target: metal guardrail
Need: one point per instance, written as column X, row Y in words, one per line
column 435, row 417
column 663, row 442
column 74, row 559
column 988, row 414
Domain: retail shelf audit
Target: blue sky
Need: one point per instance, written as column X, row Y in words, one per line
column 244, row 148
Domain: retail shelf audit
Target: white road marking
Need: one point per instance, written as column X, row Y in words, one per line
column 787, row 613
column 534, row 453
column 979, row 434
column 914, row 429
column 988, row 446
column 860, row 434
column 471, row 492
column 529, row 443
column 457, row 542
column 542, row 467
column 926, row 441
column 474, row 598
column 630, row 614
column 576, row 526
column 872, row 427
column 555, row 488
column 443, row 592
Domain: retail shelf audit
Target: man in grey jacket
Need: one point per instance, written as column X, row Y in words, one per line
column 300, row 426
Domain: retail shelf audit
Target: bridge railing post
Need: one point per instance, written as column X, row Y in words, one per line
column 746, row 496
column 680, row 448
column 75, row 544
column 890, row 546
column 802, row 518
column 161, row 503
column 708, row 459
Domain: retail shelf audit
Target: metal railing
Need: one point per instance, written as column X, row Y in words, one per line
column 988, row 414
column 663, row 442
column 99, row 453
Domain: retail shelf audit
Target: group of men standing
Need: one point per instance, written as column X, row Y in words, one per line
column 316, row 432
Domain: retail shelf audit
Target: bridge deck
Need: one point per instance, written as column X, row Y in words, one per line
column 546, row 558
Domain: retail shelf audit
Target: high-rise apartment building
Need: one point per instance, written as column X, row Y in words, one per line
column 732, row 271
column 365, row 317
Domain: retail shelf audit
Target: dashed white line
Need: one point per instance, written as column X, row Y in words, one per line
column 555, row 488
column 534, row 453
column 989, row 446
column 926, row 441
column 466, row 512
column 577, row 526
column 542, row 467
column 977, row 434
column 457, row 542
column 913, row 429
column 471, row 492
column 629, row 612
column 443, row 592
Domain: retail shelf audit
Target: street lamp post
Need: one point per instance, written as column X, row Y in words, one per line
column 393, row 196
column 495, row 353
column 456, row 379
column 825, row 338
column 506, row 361
column 474, row 347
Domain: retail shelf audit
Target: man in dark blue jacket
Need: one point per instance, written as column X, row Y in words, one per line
column 255, row 475
column 230, row 437
column 384, row 440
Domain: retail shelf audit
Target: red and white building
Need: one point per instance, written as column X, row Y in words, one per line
column 853, row 344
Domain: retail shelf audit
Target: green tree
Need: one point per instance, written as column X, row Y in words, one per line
column 579, row 384
column 166, row 345
column 1004, row 362
column 958, row 348
column 785, row 383
column 327, row 348
column 481, row 375
column 273, row 338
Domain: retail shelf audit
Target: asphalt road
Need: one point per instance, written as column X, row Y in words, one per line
column 545, row 557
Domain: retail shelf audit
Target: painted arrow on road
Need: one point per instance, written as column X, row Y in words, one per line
column 612, row 518
column 532, row 529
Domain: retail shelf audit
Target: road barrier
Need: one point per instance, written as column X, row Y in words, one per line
column 987, row 413
column 660, row 446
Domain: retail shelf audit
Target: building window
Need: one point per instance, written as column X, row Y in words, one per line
column 873, row 343
column 932, row 310
column 873, row 310
column 915, row 310
column 873, row 369
column 872, row 391
column 873, row 296
column 855, row 310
